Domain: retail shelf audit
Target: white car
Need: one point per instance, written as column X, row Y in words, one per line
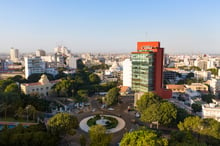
column 103, row 106
column 137, row 115
column 110, row 109
column 93, row 110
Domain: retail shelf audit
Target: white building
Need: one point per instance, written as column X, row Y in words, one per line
column 40, row 53
column 62, row 50
column 33, row 65
column 115, row 67
column 14, row 54
column 205, row 75
column 127, row 72
column 215, row 86
column 72, row 62
column 42, row 87
column 211, row 110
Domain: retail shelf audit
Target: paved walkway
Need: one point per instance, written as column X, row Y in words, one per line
column 121, row 124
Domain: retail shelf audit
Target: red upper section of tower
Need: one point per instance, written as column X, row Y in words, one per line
column 140, row 45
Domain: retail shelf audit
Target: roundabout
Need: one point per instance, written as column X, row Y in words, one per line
column 103, row 120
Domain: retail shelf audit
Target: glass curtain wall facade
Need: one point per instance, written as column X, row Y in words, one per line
column 142, row 71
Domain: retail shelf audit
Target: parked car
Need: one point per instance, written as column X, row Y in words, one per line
column 110, row 109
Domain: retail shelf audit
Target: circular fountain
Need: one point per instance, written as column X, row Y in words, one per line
column 102, row 121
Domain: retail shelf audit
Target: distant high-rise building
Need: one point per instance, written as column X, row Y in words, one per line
column 14, row 54
column 127, row 72
column 62, row 50
column 33, row 65
column 3, row 65
column 147, row 69
column 72, row 62
column 40, row 53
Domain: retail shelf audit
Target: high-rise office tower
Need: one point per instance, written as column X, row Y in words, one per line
column 14, row 54
column 147, row 69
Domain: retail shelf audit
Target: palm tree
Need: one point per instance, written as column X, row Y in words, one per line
column 4, row 107
column 31, row 110
column 20, row 112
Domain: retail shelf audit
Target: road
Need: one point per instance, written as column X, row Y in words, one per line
column 119, row 110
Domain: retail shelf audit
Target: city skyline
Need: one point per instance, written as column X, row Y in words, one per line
column 110, row 26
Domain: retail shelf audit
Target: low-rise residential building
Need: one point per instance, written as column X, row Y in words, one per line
column 176, row 89
column 211, row 110
column 197, row 87
column 42, row 87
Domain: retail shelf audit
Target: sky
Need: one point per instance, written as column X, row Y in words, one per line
column 110, row 26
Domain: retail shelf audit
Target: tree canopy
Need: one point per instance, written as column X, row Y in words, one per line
column 146, row 100
column 94, row 78
column 62, row 123
column 165, row 113
column 153, row 108
column 112, row 96
column 98, row 136
column 143, row 137
column 196, row 107
column 207, row 130
column 214, row 71
column 35, row 135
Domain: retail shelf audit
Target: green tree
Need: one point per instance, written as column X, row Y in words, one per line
column 13, row 87
column 206, row 130
column 94, row 78
column 112, row 96
column 143, row 137
column 196, row 107
column 82, row 140
column 151, row 113
column 184, row 138
column 208, row 98
column 98, row 136
column 18, row 78
column 20, row 112
column 165, row 113
column 181, row 115
column 64, row 87
column 35, row 77
column 4, row 108
column 146, row 100
column 180, row 82
column 196, row 68
column 168, row 113
column 31, row 111
column 214, row 71
column 4, row 84
column 62, row 123
column 190, row 75
column 82, row 93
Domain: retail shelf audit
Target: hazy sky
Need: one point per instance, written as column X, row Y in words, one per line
column 182, row 26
